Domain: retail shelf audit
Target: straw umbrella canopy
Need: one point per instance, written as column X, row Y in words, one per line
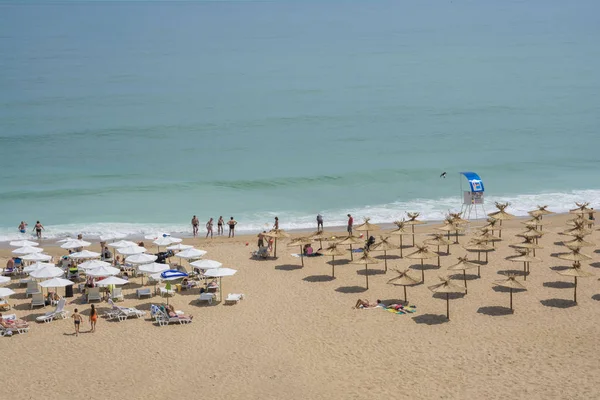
column 535, row 222
column 451, row 226
column 350, row 241
column 575, row 255
column 401, row 230
column 366, row 227
column 479, row 247
column 365, row 259
column 493, row 225
column 301, row 242
column 511, row 283
column 457, row 219
column 333, row 251
column 501, row 215
column 540, row 212
column 528, row 244
column 446, row 286
column 403, row 279
column 463, row 265
column 582, row 208
column 578, row 229
column 526, row 258
column 320, row 236
column 487, row 237
column 578, row 242
column 384, row 245
column 438, row 240
column 530, row 233
column 576, row 272
column 412, row 221
column 422, row 253
column 577, row 220
column 276, row 234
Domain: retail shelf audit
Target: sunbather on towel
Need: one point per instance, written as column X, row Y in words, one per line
column 365, row 304
column 172, row 314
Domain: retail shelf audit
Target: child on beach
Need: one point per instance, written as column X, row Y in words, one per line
column 77, row 318
column 93, row 318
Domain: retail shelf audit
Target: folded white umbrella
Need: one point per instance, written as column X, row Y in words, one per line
column 103, row 271
column 112, row 280
column 166, row 241
column 84, row 255
column 122, row 243
column 23, row 243
column 46, row 272
column 37, row 265
column 191, row 253
column 74, row 244
column 153, row 268
column 220, row 272
column 206, row 264
column 91, row 264
column 37, row 257
column 27, row 250
column 179, row 246
column 56, row 282
column 141, row 258
column 131, row 250
column 4, row 279
column 5, row 292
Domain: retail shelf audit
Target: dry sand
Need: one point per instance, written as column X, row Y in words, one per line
column 296, row 335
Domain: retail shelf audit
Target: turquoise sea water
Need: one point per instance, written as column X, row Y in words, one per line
column 132, row 116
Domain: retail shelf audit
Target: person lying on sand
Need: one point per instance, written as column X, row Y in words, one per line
column 365, row 304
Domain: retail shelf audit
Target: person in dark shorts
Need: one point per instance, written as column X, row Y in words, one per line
column 232, row 223
column 195, row 224
column 38, row 228
column 220, row 224
column 77, row 318
column 350, row 224
column 319, row 222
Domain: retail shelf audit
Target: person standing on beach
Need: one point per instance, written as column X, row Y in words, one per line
column 195, row 224
column 23, row 227
column 261, row 239
column 220, row 224
column 276, row 224
column 319, row 222
column 77, row 318
column 93, row 318
column 350, row 224
column 38, row 228
column 232, row 223
column 209, row 228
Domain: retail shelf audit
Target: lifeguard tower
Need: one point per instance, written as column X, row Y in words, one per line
column 472, row 198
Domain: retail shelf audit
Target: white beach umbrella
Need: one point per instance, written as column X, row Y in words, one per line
column 84, row 255
column 122, row 243
column 5, row 292
column 103, row 271
column 154, row 268
column 112, row 280
column 219, row 273
column 206, row 264
column 131, row 250
column 142, row 258
column 56, row 283
column 112, row 236
column 155, row 235
column 67, row 239
column 91, row 264
column 37, row 265
column 23, row 243
column 4, row 280
column 46, row 273
column 179, row 246
column 37, row 257
column 27, row 250
column 191, row 253
column 166, row 241
column 75, row 244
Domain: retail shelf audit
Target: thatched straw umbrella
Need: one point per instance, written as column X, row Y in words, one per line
column 366, row 227
column 303, row 241
column 540, row 212
column 511, row 283
column 403, row 279
column 528, row 244
column 384, row 245
column 350, row 241
column 501, row 215
column 333, row 252
column 575, row 255
column 487, row 237
column 463, row 265
column 578, row 242
column 438, row 240
column 479, row 247
column 457, row 219
column 400, row 231
column 582, row 208
column 535, row 222
column 412, row 221
column 422, row 253
column 365, row 259
column 447, row 287
column 576, row 272
column 526, row 258
column 276, row 234
column 320, row 236
column 578, row 230
column 493, row 225
column 450, row 226
column 530, row 233
column 577, row 220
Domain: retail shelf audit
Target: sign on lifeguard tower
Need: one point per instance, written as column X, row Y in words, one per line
column 472, row 197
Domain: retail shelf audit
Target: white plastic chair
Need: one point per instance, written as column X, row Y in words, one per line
column 94, row 294
column 58, row 313
column 32, row 288
column 117, row 293
column 234, row 298
column 143, row 292
column 37, row 299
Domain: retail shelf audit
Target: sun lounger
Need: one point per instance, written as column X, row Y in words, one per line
column 37, row 299
column 233, row 298
column 117, row 293
column 143, row 292
column 58, row 313
column 94, row 294
column 122, row 313
column 163, row 319
column 209, row 297
column 32, row 288
column 9, row 331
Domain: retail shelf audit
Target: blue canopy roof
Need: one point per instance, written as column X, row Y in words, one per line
column 474, row 181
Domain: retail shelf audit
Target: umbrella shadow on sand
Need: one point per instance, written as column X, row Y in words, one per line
column 338, row 262
column 371, row 272
column 558, row 303
column 559, row 285
column 387, row 302
column 469, row 277
column 288, row 267
column 431, row 319
column 510, row 272
column 502, row 289
column 596, row 297
column 318, row 278
column 495, row 311
column 559, row 268
column 595, row 265
column 351, row 289
column 451, row 296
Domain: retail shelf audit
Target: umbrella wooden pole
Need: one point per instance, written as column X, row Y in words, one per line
column 351, row 254
column 479, row 271
column 439, row 264
column 534, row 252
column 275, row 249
column 401, row 246
column 465, row 279
column 405, row 295
column 367, row 275
column 448, row 305
column 422, row 272
column 510, row 289
column 524, row 271
column 486, row 257
column 333, row 266
column 575, row 291
column 385, row 259
column 413, row 235
column 500, row 230
column 457, row 236
column 478, row 256
column 302, row 256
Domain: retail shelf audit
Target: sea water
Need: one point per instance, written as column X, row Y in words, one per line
column 132, row 116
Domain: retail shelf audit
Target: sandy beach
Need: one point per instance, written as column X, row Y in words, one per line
column 297, row 336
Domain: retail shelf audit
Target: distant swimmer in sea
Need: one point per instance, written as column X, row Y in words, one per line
column 23, row 227
column 443, row 175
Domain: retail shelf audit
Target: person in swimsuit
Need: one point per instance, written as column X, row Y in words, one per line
column 232, row 223
column 350, row 224
column 38, row 229
column 93, row 318
column 276, row 224
column 209, row 228
column 261, row 239
column 220, row 224
column 77, row 318
column 319, row 222
column 195, row 224
column 23, row 227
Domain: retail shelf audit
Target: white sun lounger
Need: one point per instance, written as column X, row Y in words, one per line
column 122, row 313
column 164, row 319
column 143, row 292
column 233, row 298
column 32, row 288
column 10, row 331
column 58, row 313
column 37, row 299
column 209, row 297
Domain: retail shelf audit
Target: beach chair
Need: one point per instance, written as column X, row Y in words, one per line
column 122, row 313
column 117, row 293
column 37, row 299
column 94, row 294
column 143, row 292
column 262, row 252
column 58, row 313
column 9, row 331
column 233, row 298
column 32, row 288
column 8, row 271
column 24, row 282
column 208, row 297
column 164, row 292
column 163, row 319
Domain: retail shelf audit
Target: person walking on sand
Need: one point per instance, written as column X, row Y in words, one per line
column 195, row 224
column 220, row 224
column 350, row 224
column 276, row 224
column 319, row 222
column 38, row 228
column 77, row 318
column 209, row 228
column 93, row 318
column 23, row 227
column 232, row 223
